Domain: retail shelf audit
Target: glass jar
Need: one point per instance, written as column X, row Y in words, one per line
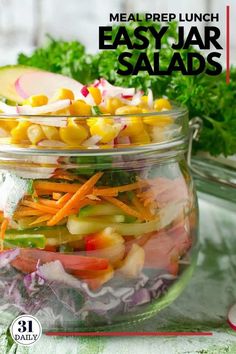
column 99, row 235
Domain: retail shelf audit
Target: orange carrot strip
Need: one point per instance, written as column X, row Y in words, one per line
column 141, row 209
column 3, row 228
column 27, row 212
column 38, row 206
column 64, row 199
column 47, row 202
column 43, row 192
column 105, row 192
column 127, row 209
column 41, row 219
column 56, row 196
column 57, row 187
column 62, row 174
column 116, row 190
column 76, row 198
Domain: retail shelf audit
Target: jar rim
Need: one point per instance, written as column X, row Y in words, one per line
column 176, row 112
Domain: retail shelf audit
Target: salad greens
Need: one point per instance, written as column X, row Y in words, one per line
column 205, row 96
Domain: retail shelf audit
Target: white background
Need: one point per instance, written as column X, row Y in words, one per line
column 24, row 23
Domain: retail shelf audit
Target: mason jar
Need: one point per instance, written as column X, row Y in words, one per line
column 95, row 236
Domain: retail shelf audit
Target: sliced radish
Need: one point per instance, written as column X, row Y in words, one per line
column 51, row 143
column 110, row 91
column 93, row 140
column 150, row 98
column 136, row 99
column 47, row 108
column 36, row 83
column 232, row 317
column 123, row 140
column 59, row 122
column 85, row 91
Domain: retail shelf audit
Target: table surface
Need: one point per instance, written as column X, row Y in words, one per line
column 202, row 306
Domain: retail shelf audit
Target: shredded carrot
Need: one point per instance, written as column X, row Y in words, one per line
column 21, row 212
column 127, row 209
column 56, row 196
column 64, row 199
column 115, row 190
column 38, row 206
column 62, row 174
column 48, row 202
column 140, row 207
column 41, row 219
column 43, row 192
column 57, row 187
column 3, row 229
column 76, row 199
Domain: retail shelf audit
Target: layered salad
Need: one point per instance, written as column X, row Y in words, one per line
column 88, row 234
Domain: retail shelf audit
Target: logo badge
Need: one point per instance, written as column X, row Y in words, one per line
column 26, row 330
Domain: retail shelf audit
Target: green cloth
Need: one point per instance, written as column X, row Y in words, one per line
column 202, row 306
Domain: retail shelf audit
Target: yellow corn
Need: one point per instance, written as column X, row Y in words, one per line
column 8, row 124
column 96, row 94
column 19, row 133
column 128, row 110
column 160, row 121
column 36, row 100
column 108, row 132
column 74, row 134
column 51, row 133
column 142, row 138
column 80, row 108
column 144, row 102
column 35, row 133
column 134, row 126
column 112, row 104
column 162, row 103
column 93, row 120
column 63, row 94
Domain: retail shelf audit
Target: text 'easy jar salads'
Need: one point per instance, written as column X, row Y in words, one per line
column 98, row 209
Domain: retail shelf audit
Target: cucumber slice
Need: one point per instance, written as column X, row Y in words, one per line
column 8, row 76
column 25, row 240
column 54, row 236
column 90, row 225
column 97, row 210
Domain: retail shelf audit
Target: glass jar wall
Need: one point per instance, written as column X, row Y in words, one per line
column 96, row 237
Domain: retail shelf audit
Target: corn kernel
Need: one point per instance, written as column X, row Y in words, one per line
column 103, row 110
column 51, row 133
column 144, row 102
column 8, row 124
column 112, row 104
column 74, row 134
column 35, row 133
column 19, row 133
column 162, row 103
column 160, row 121
column 133, row 126
column 142, row 138
column 96, row 94
column 36, row 100
column 93, row 120
column 80, row 108
column 108, row 132
column 128, row 110
column 63, row 94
